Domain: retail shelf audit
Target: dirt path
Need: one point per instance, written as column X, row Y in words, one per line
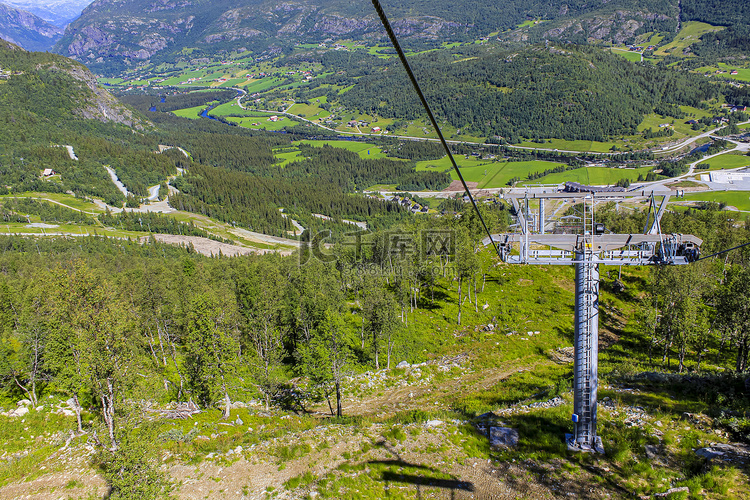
column 427, row 394
column 42, row 198
column 208, row 247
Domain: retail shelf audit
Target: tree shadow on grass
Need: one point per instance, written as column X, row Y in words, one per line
column 541, row 441
column 422, row 477
column 398, row 470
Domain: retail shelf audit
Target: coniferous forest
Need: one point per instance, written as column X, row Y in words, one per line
column 383, row 350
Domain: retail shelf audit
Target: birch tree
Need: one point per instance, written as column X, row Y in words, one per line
column 212, row 349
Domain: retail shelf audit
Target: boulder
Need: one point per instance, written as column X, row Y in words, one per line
column 652, row 451
column 18, row 412
column 672, row 491
column 24, row 402
column 433, row 423
column 403, row 364
column 708, row 453
column 503, row 436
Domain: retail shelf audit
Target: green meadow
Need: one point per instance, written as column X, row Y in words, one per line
column 689, row 34
column 192, row 113
column 739, row 199
column 728, row 161
column 743, row 74
column 593, row 176
column 627, row 54
column 262, row 122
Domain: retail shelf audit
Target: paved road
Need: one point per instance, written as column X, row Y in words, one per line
column 153, row 193
column 690, row 140
column 661, row 185
column 116, row 180
column 667, row 150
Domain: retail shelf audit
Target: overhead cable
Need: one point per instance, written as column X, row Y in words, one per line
column 404, row 62
column 723, row 251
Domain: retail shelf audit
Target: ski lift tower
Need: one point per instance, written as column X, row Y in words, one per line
column 586, row 250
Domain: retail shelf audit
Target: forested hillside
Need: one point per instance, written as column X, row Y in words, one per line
column 124, row 332
column 569, row 92
column 231, row 172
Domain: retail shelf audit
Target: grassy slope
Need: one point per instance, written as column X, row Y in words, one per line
column 739, row 199
column 690, row 33
column 388, row 450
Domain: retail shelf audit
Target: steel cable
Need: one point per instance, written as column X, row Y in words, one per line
column 404, row 62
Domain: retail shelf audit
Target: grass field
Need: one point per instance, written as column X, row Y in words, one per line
column 689, row 34
column 192, row 113
column 231, row 108
column 596, row 176
column 653, row 121
column 262, row 85
column 627, row 54
column 64, row 199
column 739, row 199
column 309, row 111
column 262, row 122
column 363, row 149
column 285, row 157
column 248, row 117
column 728, row 161
column 743, row 74
column 488, row 173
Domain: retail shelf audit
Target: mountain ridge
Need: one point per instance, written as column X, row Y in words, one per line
column 56, row 12
column 26, row 29
column 112, row 35
column 38, row 79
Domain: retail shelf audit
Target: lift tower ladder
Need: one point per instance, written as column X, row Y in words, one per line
column 586, row 251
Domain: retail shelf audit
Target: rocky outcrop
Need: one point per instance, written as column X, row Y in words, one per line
column 100, row 104
column 132, row 31
column 615, row 27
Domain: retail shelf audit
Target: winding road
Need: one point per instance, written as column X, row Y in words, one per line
column 665, row 151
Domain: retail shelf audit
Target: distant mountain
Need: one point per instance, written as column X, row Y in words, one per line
column 26, row 29
column 57, row 12
column 112, row 35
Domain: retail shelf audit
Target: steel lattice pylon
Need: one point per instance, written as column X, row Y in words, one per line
column 586, row 251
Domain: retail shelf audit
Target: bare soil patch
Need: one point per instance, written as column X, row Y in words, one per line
column 205, row 246
column 456, row 186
